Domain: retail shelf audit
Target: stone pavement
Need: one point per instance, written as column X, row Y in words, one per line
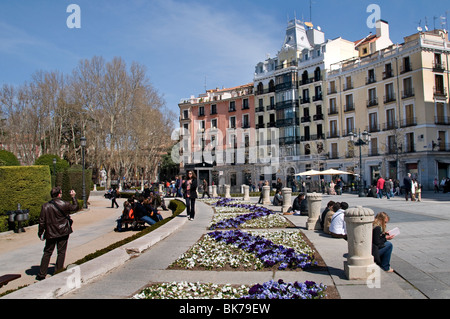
column 420, row 258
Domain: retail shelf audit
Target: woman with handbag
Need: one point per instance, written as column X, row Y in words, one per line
column 190, row 194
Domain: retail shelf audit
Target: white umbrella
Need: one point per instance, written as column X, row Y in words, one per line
column 333, row 171
column 309, row 173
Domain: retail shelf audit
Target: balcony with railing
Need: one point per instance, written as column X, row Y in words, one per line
column 408, row 93
column 318, row 117
column 349, row 107
column 411, row 121
column 392, row 125
column 372, row 102
column 440, row 92
column 305, row 119
column 406, row 67
column 442, row 120
column 333, row 134
column 438, row 67
column 389, row 98
column 373, row 128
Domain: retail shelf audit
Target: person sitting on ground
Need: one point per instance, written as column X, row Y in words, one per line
column 278, row 199
column 326, row 225
column 300, row 205
column 140, row 212
column 325, row 211
column 381, row 247
column 338, row 227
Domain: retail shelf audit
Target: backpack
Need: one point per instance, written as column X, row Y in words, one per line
column 131, row 214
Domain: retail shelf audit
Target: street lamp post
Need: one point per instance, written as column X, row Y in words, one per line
column 362, row 140
column 83, row 146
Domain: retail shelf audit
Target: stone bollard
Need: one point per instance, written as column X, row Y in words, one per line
column 360, row 261
column 287, row 195
column 214, row 191
column 227, row 191
column 246, row 192
column 314, row 204
column 266, row 195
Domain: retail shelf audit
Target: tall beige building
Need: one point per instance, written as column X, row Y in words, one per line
column 398, row 94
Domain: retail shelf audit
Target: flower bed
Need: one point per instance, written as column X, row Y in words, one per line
column 238, row 250
column 268, row 290
column 257, row 216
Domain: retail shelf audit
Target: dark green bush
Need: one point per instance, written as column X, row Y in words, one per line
column 8, row 159
column 72, row 178
column 47, row 159
column 28, row 186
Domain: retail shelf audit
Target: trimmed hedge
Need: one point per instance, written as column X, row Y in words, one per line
column 28, row 186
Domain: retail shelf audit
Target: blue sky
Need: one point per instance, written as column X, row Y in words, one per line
column 183, row 44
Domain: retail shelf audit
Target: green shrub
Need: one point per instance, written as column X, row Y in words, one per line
column 8, row 159
column 28, row 186
column 72, row 178
column 47, row 159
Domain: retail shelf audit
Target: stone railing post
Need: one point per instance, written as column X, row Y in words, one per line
column 214, row 191
column 266, row 195
column 359, row 240
column 227, row 191
column 246, row 192
column 287, row 195
column 314, row 204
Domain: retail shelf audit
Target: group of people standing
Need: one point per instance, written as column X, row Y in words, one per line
column 413, row 189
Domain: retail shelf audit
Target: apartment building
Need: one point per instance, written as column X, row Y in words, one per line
column 307, row 102
column 397, row 94
column 218, row 128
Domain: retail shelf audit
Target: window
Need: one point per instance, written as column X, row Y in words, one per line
column 245, row 105
column 245, row 121
column 408, row 90
column 333, row 128
column 214, row 123
column 350, row 122
column 371, row 76
column 373, row 122
column 185, row 114
column 390, row 119
column 232, row 107
column 201, row 111
column 232, row 122
column 390, row 94
column 333, row 108
column 214, row 109
column 373, row 100
column 349, row 106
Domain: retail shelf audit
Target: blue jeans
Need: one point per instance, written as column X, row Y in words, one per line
column 148, row 220
column 385, row 255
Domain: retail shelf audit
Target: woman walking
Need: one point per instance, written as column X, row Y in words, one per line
column 190, row 193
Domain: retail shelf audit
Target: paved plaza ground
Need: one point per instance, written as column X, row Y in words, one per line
column 421, row 257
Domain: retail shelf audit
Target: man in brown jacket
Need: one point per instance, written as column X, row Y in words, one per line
column 55, row 226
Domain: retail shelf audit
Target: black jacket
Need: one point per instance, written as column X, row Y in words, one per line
column 193, row 189
column 378, row 241
column 54, row 221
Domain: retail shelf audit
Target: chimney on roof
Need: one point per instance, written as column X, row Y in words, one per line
column 382, row 29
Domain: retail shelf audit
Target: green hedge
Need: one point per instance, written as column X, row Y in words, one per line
column 72, row 178
column 28, row 186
